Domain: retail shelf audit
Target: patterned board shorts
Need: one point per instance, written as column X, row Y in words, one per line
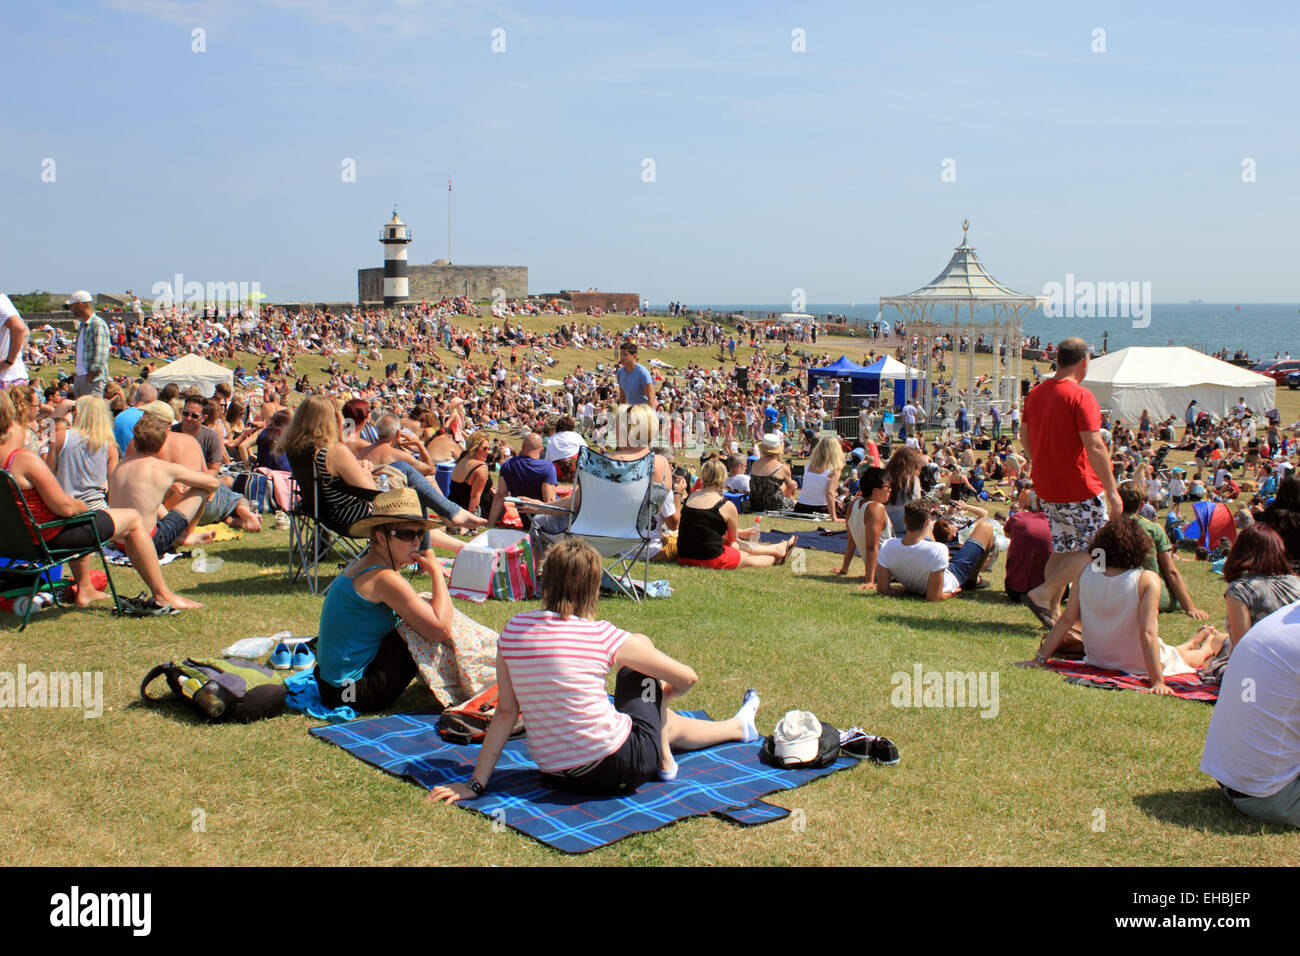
column 1075, row 522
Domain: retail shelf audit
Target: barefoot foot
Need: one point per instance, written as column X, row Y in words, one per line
column 87, row 596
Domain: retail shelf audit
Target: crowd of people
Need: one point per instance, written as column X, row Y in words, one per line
column 915, row 504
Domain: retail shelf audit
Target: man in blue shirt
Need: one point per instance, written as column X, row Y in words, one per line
column 124, row 424
column 635, row 386
column 525, row 475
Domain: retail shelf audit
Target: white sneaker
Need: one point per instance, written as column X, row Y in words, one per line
column 281, row 521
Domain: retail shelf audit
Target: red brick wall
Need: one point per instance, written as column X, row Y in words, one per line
column 609, row 301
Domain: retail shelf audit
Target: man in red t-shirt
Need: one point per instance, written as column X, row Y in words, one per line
column 1071, row 472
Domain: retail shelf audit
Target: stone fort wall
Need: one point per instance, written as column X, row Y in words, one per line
column 433, row 282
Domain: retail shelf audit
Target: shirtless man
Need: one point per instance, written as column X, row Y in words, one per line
column 442, row 447
column 143, row 479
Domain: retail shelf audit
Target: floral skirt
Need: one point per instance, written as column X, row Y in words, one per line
column 454, row 672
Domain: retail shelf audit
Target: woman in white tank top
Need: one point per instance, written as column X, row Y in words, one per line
column 1116, row 604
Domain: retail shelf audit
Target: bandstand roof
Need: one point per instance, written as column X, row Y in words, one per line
column 963, row 282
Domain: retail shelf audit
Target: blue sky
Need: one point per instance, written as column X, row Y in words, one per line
column 773, row 169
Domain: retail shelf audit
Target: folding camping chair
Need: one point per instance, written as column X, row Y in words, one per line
column 613, row 515
column 311, row 541
column 19, row 544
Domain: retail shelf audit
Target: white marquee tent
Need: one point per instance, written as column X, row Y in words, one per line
column 1164, row 380
column 192, row 370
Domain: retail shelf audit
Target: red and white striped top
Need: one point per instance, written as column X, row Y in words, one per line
column 558, row 667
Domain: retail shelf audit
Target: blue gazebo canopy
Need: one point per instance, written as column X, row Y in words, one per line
column 841, row 368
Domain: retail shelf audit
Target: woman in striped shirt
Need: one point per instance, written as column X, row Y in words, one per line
column 552, row 665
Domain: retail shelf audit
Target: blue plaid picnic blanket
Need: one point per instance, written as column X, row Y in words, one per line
column 812, row 540
column 727, row 780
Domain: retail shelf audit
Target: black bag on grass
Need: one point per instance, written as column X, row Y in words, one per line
column 828, row 750
column 222, row 690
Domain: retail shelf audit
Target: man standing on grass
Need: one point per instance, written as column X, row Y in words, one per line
column 91, row 348
column 1071, row 471
column 13, row 337
column 635, row 385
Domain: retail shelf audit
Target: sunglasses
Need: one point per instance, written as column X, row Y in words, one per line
column 189, row 415
column 405, row 534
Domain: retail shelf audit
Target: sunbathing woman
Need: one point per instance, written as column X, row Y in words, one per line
column 1117, row 613
column 47, row 501
column 553, row 663
column 709, row 533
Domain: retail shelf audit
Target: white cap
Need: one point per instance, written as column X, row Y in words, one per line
column 796, row 737
column 81, row 295
column 563, row 445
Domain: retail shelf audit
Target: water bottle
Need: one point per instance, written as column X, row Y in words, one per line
column 37, row 602
column 209, row 699
column 382, row 481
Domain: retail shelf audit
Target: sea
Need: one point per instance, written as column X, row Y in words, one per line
column 1262, row 329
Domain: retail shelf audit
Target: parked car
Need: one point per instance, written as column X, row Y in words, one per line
column 1278, row 369
column 1293, row 380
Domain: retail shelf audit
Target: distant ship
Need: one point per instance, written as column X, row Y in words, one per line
column 1196, row 302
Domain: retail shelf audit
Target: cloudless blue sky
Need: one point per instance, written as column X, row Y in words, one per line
column 774, row 169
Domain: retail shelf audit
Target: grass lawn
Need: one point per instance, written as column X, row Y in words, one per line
column 1060, row 775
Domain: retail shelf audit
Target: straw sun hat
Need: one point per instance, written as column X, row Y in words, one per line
column 392, row 507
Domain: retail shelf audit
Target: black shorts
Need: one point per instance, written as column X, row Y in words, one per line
column 168, row 530
column 637, row 761
column 82, row 535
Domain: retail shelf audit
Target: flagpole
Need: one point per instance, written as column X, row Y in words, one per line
column 448, row 220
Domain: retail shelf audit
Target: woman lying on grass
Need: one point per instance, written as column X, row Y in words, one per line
column 1116, row 604
column 553, row 663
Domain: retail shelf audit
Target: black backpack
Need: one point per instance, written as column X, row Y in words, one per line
column 241, row 691
column 828, row 749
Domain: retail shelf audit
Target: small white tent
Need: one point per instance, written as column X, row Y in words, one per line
column 192, row 371
column 1165, row 380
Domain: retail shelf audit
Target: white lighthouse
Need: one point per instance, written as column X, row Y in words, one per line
column 395, row 235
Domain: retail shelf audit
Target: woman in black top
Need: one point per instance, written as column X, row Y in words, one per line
column 771, row 485
column 471, row 485
column 344, row 486
column 709, row 535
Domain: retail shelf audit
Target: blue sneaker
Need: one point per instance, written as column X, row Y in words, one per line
column 303, row 658
column 282, row 657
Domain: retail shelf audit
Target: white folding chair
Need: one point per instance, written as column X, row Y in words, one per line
column 611, row 497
